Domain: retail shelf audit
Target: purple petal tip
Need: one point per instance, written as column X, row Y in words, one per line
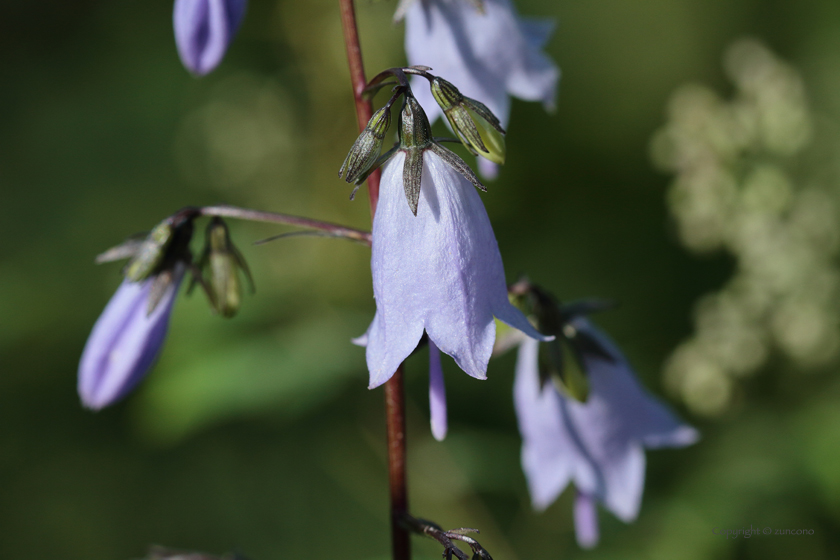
column 204, row 30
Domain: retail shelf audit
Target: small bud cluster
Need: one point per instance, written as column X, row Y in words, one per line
column 130, row 333
column 474, row 124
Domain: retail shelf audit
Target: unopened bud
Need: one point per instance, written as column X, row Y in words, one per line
column 367, row 147
column 222, row 260
column 415, row 130
column 476, row 126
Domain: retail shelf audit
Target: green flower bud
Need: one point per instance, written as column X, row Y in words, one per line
column 222, row 261
column 476, row 126
column 367, row 147
column 151, row 252
column 415, row 130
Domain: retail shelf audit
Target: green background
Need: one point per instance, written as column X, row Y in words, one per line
column 258, row 434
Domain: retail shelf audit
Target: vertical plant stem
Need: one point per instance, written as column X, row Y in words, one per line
column 394, row 392
column 364, row 108
column 395, row 420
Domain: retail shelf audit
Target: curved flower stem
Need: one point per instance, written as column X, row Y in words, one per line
column 394, row 395
column 224, row 211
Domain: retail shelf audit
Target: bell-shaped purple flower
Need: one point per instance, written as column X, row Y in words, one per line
column 600, row 444
column 489, row 52
column 204, row 29
column 439, row 271
column 125, row 341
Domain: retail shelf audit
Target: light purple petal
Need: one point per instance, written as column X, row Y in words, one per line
column 586, row 520
column 437, row 394
column 487, row 56
column 599, row 444
column 204, row 30
column 124, row 343
column 487, row 168
column 440, row 271
column 549, row 458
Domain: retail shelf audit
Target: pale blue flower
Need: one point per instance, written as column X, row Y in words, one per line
column 598, row 445
column 204, row 29
column 490, row 56
column 125, row 341
column 439, row 272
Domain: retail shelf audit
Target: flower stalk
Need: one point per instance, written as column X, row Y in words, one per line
column 394, row 393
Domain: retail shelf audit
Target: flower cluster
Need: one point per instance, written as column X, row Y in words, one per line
column 437, row 272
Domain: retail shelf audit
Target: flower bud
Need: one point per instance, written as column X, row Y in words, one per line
column 367, row 147
column 415, row 130
column 127, row 338
column 222, row 260
column 204, row 29
column 476, row 126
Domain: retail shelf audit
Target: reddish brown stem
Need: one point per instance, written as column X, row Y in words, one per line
column 395, row 419
column 364, row 107
column 394, row 393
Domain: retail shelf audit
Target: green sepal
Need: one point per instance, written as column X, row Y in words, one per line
column 150, row 253
column 413, row 177
column 562, row 365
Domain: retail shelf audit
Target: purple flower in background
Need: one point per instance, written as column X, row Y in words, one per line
column 484, row 48
column 126, row 340
column 439, row 271
column 599, row 445
column 204, row 29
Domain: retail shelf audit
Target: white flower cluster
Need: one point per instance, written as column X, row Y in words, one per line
column 738, row 188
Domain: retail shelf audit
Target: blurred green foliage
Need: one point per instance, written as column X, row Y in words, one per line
column 258, row 433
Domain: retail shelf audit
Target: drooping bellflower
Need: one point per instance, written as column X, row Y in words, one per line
column 128, row 336
column 204, row 29
column 435, row 262
column 125, row 341
column 598, row 444
column 485, row 48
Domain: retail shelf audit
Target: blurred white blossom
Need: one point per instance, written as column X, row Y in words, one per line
column 740, row 187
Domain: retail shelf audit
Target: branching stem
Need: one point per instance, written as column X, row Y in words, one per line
column 334, row 230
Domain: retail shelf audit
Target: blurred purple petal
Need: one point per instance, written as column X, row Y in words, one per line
column 437, row 394
column 488, row 57
column 439, row 271
column 586, row 521
column 598, row 445
column 124, row 342
column 204, row 30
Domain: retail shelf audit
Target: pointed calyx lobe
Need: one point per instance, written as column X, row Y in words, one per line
column 415, row 139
